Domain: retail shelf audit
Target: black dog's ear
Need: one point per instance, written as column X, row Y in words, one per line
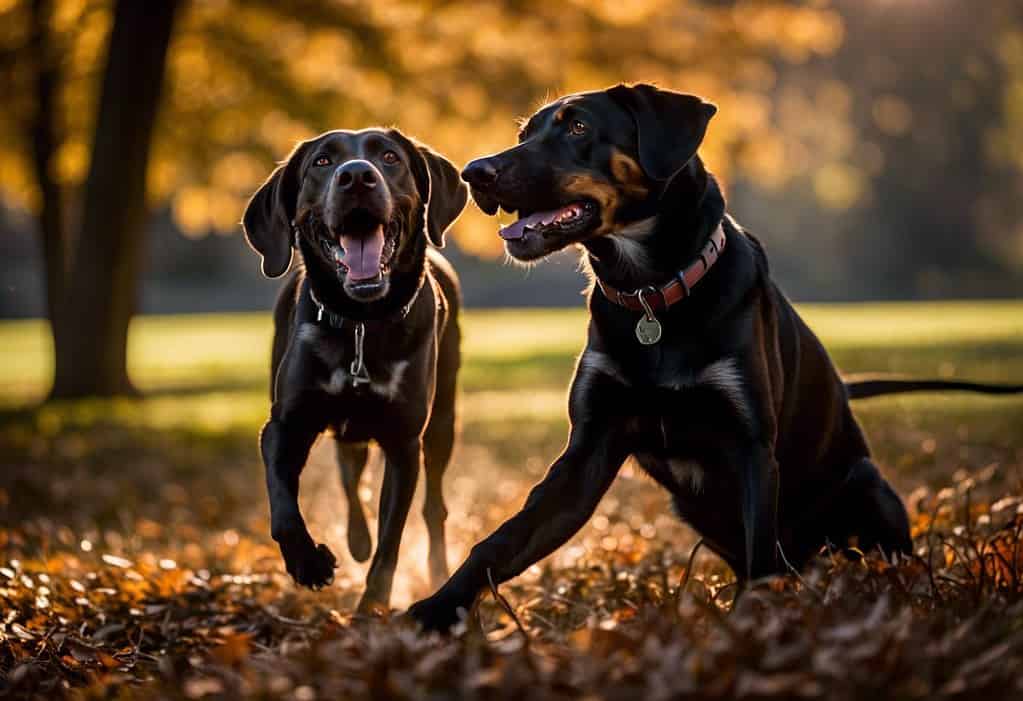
column 440, row 187
column 267, row 218
column 448, row 195
column 669, row 126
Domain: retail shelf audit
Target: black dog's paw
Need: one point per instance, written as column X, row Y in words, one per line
column 309, row 565
column 436, row 613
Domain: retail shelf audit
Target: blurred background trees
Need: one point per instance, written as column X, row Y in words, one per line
column 875, row 145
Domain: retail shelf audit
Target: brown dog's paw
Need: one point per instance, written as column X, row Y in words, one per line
column 311, row 566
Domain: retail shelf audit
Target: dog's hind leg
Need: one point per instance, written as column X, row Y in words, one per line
column 438, row 443
column 351, row 458
column 403, row 460
column 869, row 512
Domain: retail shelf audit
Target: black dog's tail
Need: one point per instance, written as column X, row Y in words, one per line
column 861, row 386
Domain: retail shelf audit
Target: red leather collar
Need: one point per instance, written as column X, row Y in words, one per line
column 676, row 289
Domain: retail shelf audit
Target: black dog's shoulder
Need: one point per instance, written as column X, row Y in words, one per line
column 442, row 271
column 284, row 318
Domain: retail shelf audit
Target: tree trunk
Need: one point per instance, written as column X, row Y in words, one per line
column 104, row 268
column 45, row 140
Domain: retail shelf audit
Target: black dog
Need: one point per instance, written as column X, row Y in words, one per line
column 366, row 337
column 695, row 363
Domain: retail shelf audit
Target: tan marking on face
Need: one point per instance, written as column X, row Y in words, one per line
column 560, row 114
column 604, row 193
column 629, row 173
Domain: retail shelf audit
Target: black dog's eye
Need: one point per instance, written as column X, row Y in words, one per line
column 577, row 128
column 322, row 161
column 390, row 158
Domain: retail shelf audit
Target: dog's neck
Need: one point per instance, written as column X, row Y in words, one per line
column 651, row 250
column 328, row 290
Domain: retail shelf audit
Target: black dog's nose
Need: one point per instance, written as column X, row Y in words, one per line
column 481, row 173
column 356, row 175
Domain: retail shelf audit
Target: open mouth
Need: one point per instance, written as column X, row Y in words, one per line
column 570, row 219
column 363, row 249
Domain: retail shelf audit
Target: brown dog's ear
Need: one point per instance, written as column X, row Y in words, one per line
column 669, row 126
column 267, row 218
column 441, row 189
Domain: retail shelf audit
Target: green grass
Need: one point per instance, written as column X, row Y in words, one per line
column 515, row 349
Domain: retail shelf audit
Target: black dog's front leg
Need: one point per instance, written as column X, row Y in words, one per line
column 758, row 494
column 556, row 509
column 285, row 447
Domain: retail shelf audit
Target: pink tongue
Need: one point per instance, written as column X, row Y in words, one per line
column 518, row 229
column 362, row 254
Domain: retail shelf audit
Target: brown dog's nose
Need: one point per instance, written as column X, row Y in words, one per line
column 356, row 175
column 481, row 173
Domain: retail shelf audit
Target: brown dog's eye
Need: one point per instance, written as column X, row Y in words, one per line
column 322, row 161
column 390, row 158
column 577, row 128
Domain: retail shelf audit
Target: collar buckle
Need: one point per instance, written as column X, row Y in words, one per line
column 335, row 321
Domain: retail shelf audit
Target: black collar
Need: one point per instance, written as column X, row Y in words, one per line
column 335, row 321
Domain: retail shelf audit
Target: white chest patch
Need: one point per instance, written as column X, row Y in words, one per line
column 687, row 472
column 384, row 382
column 337, row 382
column 724, row 376
column 389, row 389
column 341, row 381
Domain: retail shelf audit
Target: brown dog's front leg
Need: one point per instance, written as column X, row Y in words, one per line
column 285, row 447
column 555, row 510
column 401, row 471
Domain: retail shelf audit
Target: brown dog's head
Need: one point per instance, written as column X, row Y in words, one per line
column 365, row 202
column 589, row 165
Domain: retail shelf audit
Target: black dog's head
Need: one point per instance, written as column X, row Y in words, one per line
column 365, row 202
column 588, row 165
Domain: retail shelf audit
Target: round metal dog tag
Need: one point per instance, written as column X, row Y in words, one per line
column 648, row 330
